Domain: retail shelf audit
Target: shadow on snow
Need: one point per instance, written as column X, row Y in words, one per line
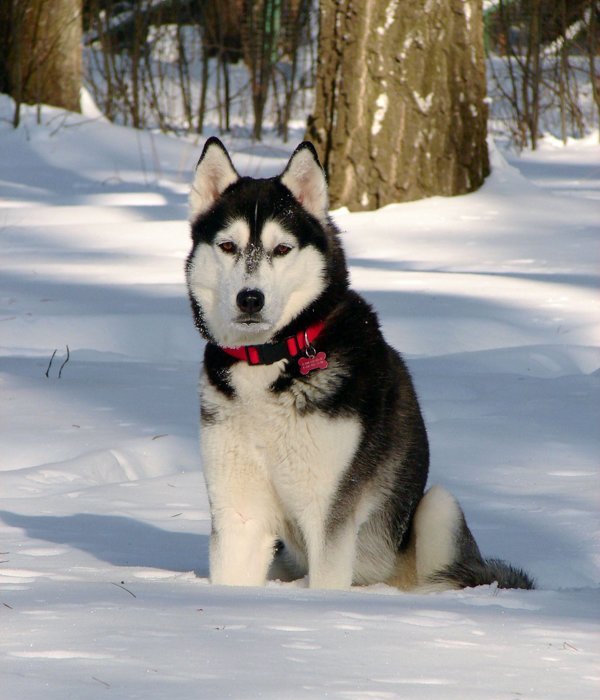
column 118, row 540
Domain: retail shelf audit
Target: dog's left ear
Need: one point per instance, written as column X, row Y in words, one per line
column 214, row 174
column 305, row 179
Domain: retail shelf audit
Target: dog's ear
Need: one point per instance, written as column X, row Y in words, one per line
column 214, row 174
column 305, row 179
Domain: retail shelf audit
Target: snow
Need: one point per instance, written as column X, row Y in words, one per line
column 382, row 103
column 390, row 14
column 104, row 519
column 423, row 103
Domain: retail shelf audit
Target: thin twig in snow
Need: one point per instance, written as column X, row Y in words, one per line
column 50, row 364
column 118, row 585
column 104, row 683
column 64, row 363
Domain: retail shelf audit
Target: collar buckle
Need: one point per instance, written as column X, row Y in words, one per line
column 267, row 354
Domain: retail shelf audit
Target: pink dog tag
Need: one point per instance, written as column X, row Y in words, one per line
column 308, row 364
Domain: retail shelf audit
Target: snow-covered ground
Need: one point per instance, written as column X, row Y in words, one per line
column 104, row 520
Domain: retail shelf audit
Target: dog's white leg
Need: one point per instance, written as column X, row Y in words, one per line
column 241, row 548
column 244, row 510
column 331, row 558
column 436, row 525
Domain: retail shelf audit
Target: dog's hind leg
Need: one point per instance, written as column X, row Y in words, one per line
column 446, row 554
column 438, row 528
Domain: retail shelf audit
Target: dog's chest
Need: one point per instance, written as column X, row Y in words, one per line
column 301, row 451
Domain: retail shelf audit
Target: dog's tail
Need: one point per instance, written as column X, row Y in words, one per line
column 480, row 573
column 446, row 554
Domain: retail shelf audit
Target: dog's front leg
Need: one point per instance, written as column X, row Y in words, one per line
column 244, row 512
column 241, row 547
column 331, row 557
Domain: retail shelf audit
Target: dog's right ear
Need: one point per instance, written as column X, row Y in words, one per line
column 214, row 174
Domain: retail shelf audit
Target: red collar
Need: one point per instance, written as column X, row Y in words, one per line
column 289, row 348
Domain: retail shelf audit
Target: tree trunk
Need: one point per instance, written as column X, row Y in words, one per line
column 400, row 111
column 43, row 58
column 259, row 37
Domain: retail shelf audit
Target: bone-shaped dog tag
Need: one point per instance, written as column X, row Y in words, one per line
column 308, row 364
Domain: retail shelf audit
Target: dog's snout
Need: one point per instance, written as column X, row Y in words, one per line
column 250, row 301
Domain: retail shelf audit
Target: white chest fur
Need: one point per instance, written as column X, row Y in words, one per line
column 303, row 455
column 268, row 460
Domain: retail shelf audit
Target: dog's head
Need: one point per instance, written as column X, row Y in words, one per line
column 260, row 246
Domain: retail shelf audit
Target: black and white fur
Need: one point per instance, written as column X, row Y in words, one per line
column 325, row 473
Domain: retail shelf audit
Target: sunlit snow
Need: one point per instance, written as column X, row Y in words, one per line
column 104, row 520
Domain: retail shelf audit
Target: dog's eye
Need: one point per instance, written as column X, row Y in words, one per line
column 280, row 250
column 228, row 247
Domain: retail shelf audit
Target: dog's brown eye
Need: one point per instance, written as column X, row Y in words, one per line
column 228, row 247
column 281, row 250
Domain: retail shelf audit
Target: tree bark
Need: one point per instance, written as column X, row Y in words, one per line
column 400, row 112
column 43, row 57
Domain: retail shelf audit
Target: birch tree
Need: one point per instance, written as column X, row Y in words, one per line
column 399, row 111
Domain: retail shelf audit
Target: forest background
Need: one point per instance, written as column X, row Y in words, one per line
column 397, row 97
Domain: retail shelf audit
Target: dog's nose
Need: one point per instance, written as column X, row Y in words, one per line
column 250, row 301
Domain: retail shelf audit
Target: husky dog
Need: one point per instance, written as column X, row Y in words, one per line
column 314, row 448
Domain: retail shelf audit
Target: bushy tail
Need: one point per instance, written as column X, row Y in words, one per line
column 482, row 572
column 446, row 554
